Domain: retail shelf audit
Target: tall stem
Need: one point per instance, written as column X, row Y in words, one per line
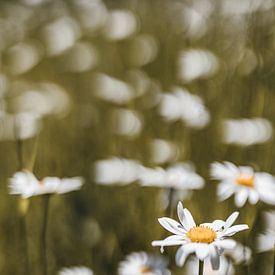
column 169, row 209
column 201, row 263
column 44, row 234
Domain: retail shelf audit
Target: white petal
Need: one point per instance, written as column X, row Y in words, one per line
column 170, row 241
column 180, row 213
column 241, row 197
column 214, row 257
column 253, row 196
column 224, row 171
column 234, row 229
column 189, row 219
column 202, row 250
column 171, row 225
column 225, row 190
column 183, row 252
column 231, row 219
column 225, row 244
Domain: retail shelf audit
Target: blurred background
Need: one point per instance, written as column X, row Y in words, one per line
column 101, row 88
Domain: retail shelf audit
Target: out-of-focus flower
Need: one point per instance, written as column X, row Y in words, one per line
column 185, row 106
column 91, row 14
column 120, row 25
column 79, row 270
column 266, row 240
column 22, row 57
column 244, row 183
column 193, row 64
column 180, row 177
column 126, row 122
column 163, row 151
column 112, row 89
column 143, row 50
column 247, row 132
column 19, row 126
column 80, row 58
column 25, row 183
column 42, row 100
column 205, row 240
column 140, row 263
column 60, row 35
column 116, row 171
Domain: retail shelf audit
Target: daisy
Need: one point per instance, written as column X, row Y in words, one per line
column 244, row 182
column 79, row 270
column 181, row 177
column 266, row 240
column 25, row 183
column 139, row 263
column 205, row 240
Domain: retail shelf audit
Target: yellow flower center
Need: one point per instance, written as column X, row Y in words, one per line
column 247, row 181
column 200, row 234
column 146, row 269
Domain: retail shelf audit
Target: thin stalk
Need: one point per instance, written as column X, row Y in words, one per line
column 201, row 263
column 19, row 146
column 44, row 234
column 274, row 259
column 169, row 209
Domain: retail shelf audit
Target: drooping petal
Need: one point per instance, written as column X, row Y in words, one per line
column 253, row 196
column 241, row 197
column 225, row 190
column 202, row 250
column 214, row 257
column 183, row 252
column 181, row 213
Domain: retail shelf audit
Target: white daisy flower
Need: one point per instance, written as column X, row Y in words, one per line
column 244, row 182
column 25, row 183
column 79, row 270
column 266, row 240
column 205, row 240
column 181, row 177
column 139, row 263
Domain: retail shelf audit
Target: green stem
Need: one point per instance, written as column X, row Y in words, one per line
column 169, row 209
column 201, row 263
column 44, row 234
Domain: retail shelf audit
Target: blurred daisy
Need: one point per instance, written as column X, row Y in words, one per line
column 238, row 255
column 140, row 263
column 205, row 240
column 24, row 183
column 181, row 177
column 266, row 240
column 79, row 270
column 244, row 182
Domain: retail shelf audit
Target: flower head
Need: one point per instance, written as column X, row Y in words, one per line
column 205, row 240
column 79, row 270
column 140, row 263
column 244, row 182
column 25, row 183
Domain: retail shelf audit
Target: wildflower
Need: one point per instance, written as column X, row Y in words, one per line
column 266, row 240
column 25, row 183
column 79, row 270
column 244, row 182
column 140, row 263
column 205, row 240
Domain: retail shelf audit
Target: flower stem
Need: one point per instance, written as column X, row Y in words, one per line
column 169, row 209
column 201, row 263
column 44, row 234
